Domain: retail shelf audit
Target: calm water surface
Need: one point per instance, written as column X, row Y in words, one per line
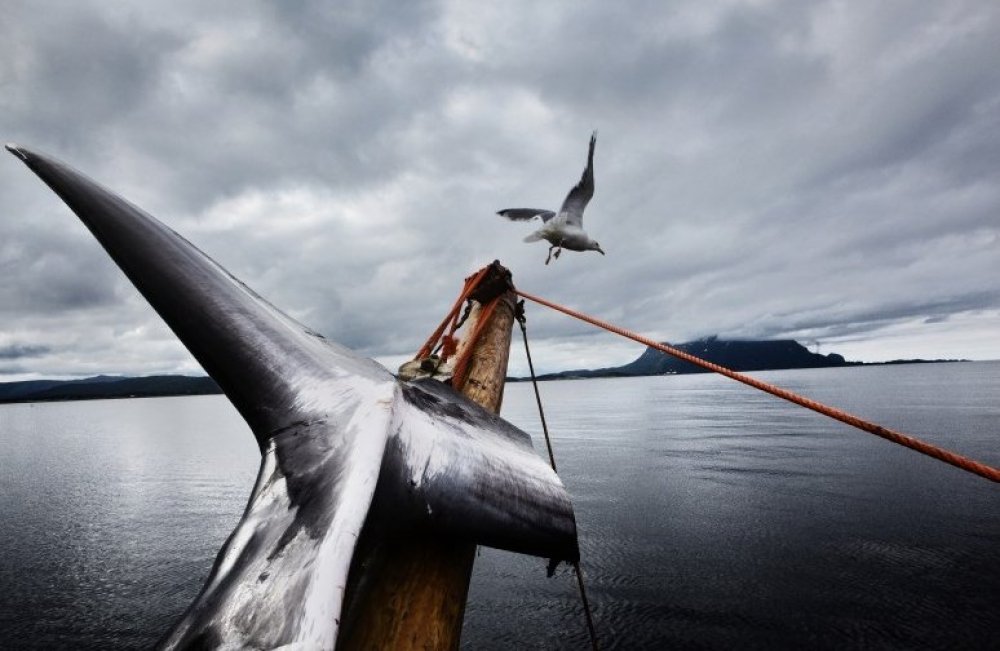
column 710, row 515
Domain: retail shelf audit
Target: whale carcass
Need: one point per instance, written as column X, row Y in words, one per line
column 332, row 426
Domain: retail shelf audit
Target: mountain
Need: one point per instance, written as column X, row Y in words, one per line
column 738, row 355
column 104, row 386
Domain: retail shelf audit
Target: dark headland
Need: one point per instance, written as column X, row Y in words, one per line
column 734, row 354
column 739, row 355
column 106, row 387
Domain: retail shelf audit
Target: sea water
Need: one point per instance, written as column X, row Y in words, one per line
column 710, row 515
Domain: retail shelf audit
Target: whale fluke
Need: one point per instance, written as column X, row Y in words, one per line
column 331, row 426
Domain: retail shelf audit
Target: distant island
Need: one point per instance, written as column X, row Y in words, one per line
column 106, row 387
column 738, row 355
column 734, row 354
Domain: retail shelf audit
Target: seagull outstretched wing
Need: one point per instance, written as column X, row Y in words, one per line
column 581, row 194
column 526, row 214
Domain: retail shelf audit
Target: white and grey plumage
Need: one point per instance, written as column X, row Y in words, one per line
column 340, row 438
column 565, row 229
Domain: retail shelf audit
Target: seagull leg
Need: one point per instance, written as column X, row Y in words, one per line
column 549, row 256
column 558, row 251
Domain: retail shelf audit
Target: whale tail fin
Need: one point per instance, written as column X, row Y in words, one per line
column 472, row 475
column 340, row 439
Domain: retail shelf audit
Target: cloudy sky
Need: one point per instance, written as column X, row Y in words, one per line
column 825, row 171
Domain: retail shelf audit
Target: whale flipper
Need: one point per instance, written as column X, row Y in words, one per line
column 473, row 475
column 339, row 437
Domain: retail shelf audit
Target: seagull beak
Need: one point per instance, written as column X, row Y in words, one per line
column 600, row 250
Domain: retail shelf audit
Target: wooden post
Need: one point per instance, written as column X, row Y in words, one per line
column 415, row 589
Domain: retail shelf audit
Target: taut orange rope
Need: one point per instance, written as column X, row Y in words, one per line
column 461, row 369
column 470, row 285
column 923, row 447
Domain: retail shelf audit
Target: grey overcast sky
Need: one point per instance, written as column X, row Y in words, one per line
column 824, row 171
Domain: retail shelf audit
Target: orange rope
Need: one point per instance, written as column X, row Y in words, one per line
column 947, row 456
column 470, row 284
column 461, row 368
column 449, row 343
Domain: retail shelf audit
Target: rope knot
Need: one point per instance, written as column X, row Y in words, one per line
column 448, row 346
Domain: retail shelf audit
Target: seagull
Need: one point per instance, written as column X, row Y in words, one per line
column 565, row 230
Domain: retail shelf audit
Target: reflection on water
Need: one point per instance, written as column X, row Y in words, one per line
column 710, row 516
column 714, row 516
column 113, row 512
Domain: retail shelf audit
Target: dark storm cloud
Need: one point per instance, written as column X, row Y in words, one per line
column 229, row 100
column 763, row 168
column 51, row 274
column 73, row 73
column 18, row 351
column 838, row 322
